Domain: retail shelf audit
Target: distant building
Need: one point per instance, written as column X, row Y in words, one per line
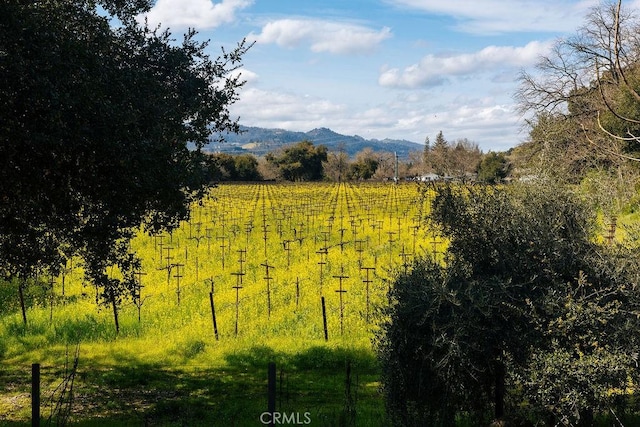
column 429, row 177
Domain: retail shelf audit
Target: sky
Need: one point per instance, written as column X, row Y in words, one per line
column 401, row 69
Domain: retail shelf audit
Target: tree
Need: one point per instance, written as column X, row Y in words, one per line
column 439, row 157
column 336, row 166
column 464, row 158
column 364, row 166
column 414, row 164
column 246, row 168
column 225, row 167
column 585, row 99
column 426, row 152
column 300, row 162
column 493, row 168
column 592, row 80
column 386, row 165
column 241, row 167
column 526, row 307
column 95, row 126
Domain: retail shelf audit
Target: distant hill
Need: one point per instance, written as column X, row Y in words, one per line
column 260, row 141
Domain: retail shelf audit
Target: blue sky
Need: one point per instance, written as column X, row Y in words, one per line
column 402, row 69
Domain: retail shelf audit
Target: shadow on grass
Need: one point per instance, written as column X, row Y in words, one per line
column 135, row 393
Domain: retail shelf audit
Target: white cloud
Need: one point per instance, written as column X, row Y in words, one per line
column 492, row 125
column 434, row 70
column 198, row 14
column 245, row 74
column 499, row 16
column 275, row 109
column 322, row 36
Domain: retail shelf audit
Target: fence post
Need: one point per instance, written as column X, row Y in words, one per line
column 324, row 320
column 213, row 315
column 35, row 395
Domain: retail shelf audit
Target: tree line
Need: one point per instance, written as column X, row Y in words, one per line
column 303, row 161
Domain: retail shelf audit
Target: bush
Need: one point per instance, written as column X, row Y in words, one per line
column 525, row 295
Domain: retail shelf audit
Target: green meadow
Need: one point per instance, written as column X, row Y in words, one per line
column 263, row 259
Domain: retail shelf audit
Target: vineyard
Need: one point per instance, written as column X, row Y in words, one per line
column 260, row 273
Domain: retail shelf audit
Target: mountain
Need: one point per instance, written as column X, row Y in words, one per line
column 260, row 141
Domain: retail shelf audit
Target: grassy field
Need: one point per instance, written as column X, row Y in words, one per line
column 267, row 255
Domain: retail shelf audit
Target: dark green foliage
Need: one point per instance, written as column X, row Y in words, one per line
column 95, row 126
column 363, row 169
column 417, row 348
column 242, row 167
column 526, row 308
column 493, row 168
column 300, row 162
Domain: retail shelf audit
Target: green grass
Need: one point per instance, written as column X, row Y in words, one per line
column 135, row 393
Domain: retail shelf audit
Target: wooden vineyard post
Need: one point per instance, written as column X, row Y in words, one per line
column 325, row 236
column 239, row 275
column 114, row 305
column 242, row 258
column 265, row 237
column 237, row 288
column 340, row 292
column 137, row 298
column 213, row 315
column 367, row 282
column 324, row 319
column 415, row 229
column 323, row 254
column 248, row 227
column 268, row 279
column 342, row 242
column 197, row 238
column 169, row 265
column 299, row 234
column 222, row 246
column 212, row 283
column 391, row 242
column 160, row 245
column 286, row 246
column 223, row 225
column 404, row 256
column 354, row 228
column 178, row 276
column 360, row 250
column 434, row 243
column 208, row 237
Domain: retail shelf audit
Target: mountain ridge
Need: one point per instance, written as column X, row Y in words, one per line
column 259, row 141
